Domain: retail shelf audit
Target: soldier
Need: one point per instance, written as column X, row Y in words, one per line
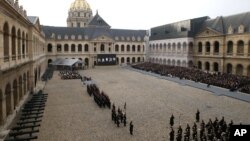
column 124, row 119
column 179, row 134
column 117, row 121
column 113, row 106
column 180, row 130
column 125, row 106
column 131, row 127
column 171, row 134
column 198, row 116
column 172, row 120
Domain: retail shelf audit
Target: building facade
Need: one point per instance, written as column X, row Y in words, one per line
column 214, row 45
column 22, row 57
column 223, row 45
column 95, row 38
column 172, row 44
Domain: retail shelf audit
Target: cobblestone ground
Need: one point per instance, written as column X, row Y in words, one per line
column 71, row 115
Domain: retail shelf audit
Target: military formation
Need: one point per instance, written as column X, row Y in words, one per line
column 118, row 115
column 210, row 131
column 101, row 99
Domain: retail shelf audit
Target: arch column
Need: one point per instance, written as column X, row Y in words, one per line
column 20, row 90
column 211, row 68
column 245, row 69
column 15, row 96
column 2, row 109
column 234, row 69
column 1, row 45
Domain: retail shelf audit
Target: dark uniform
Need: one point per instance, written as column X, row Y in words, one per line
column 171, row 120
column 197, row 116
column 171, row 134
column 131, row 127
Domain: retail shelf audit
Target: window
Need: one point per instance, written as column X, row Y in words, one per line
column 128, row 48
column 117, row 48
column 139, row 49
column 240, row 47
column 78, row 24
column 66, row 47
column 79, row 48
column 59, row 47
column 229, row 47
column 102, row 47
column 73, row 48
column 200, row 47
column 86, row 47
column 207, row 47
column 49, row 47
column 122, row 48
column 216, row 47
column 133, row 48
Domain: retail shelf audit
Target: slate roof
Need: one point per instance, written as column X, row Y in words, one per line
column 97, row 21
column 222, row 23
column 92, row 32
column 181, row 29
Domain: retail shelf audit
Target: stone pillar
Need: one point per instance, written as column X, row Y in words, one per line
column 3, row 109
column 245, row 70
column 211, row 69
column 234, row 69
column 245, row 49
column 1, row 46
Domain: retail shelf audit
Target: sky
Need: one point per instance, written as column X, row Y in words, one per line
column 136, row 14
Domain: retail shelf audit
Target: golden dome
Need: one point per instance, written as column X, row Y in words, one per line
column 80, row 5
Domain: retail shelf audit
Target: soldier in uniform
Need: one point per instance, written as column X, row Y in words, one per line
column 172, row 120
column 124, row 119
column 118, row 122
column 197, row 116
column 131, row 127
column 171, row 134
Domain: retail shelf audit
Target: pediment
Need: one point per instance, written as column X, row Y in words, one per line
column 103, row 38
column 37, row 25
column 207, row 32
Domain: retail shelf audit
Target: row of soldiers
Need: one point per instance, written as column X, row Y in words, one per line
column 119, row 117
column 212, row 131
column 101, row 99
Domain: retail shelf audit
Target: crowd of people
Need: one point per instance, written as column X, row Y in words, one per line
column 101, row 99
column 229, row 81
column 210, row 131
column 70, row 75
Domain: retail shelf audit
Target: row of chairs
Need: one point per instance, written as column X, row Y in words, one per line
column 29, row 122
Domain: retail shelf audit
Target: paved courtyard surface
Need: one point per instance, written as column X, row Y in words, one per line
column 71, row 115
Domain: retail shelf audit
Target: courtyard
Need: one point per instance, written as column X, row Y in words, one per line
column 72, row 115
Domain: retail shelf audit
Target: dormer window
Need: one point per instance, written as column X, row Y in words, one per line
column 133, row 38
column 230, row 30
column 116, row 38
column 122, row 38
column 138, row 39
column 79, row 37
column 241, row 29
column 59, row 37
column 73, row 37
column 86, row 37
column 66, row 37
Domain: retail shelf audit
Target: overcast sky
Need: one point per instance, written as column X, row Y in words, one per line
column 136, row 14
